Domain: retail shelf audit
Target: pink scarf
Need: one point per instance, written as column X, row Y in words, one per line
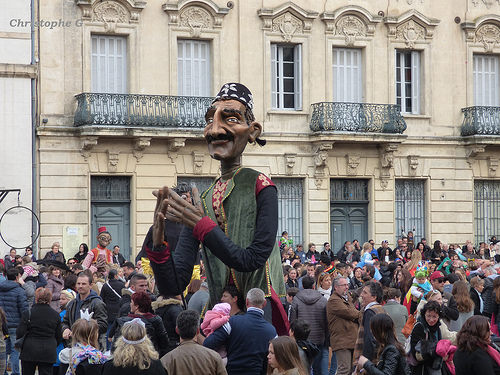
column 445, row 349
column 494, row 354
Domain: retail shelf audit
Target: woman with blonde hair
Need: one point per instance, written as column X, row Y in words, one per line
column 412, row 265
column 366, row 256
column 84, row 351
column 284, row 358
column 134, row 353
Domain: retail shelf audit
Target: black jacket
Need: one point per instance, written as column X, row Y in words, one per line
column 44, row 334
column 155, row 368
column 154, row 329
column 488, row 297
column 112, row 299
column 391, row 362
column 168, row 309
column 477, row 362
column 474, row 295
column 94, row 304
column 119, row 259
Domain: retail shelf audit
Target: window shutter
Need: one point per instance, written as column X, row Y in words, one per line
column 485, row 73
column 415, row 82
column 347, row 75
column 109, row 64
column 297, row 53
column 193, row 68
column 274, row 76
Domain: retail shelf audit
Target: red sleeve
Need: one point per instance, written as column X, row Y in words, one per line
column 262, row 182
column 203, row 226
column 159, row 256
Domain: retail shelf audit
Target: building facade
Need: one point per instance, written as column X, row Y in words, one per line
column 380, row 116
column 18, row 73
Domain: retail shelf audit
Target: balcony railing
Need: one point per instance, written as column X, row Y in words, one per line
column 357, row 117
column 481, row 120
column 138, row 110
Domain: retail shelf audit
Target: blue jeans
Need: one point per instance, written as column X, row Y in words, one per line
column 333, row 364
column 320, row 363
column 14, row 354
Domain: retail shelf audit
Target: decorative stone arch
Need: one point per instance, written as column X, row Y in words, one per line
column 195, row 16
column 287, row 23
column 287, row 20
column 113, row 17
column 412, row 31
column 350, row 23
column 195, row 19
column 411, row 28
column 111, row 12
column 351, row 27
column 482, row 36
column 484, row 33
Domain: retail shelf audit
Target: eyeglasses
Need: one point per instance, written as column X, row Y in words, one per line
column 440, row 280
column 342, row 284
column 71, row 263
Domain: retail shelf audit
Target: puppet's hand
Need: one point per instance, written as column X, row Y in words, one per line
column 182, row 211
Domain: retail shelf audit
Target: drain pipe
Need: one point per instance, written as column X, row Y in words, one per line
column 34, row 194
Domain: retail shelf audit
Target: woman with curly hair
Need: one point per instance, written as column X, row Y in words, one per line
column 465, row 304
column 284, row 358
column 134, row 353
column 474, row 355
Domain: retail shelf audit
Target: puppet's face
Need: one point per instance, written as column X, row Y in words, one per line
column 104, row 239
column 227, row 132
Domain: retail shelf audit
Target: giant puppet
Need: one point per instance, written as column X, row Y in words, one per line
column 235, row 219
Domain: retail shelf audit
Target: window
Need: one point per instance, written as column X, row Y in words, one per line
column 347, row 75
column 201, row 183
column 486, row 210
column 193, row 68
column 290, row 208
column 109, row 64
column 410, row 208
column 286, row 79
column 408, row 81
column 486, row 80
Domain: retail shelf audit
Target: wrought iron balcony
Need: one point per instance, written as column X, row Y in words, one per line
column 481, row 120
column 138, row 110
column 357, row 117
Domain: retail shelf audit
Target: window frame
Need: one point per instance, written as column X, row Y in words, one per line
column 96, row 82
column 492, row 100
column 277, row 68
column 415, row 68
column 335, row 75
column 205, row 71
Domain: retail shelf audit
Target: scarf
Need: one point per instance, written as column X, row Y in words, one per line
column 494, row 354
column 93, row 355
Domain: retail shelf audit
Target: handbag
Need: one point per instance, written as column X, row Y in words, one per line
column 18, row 344
column 408, row 327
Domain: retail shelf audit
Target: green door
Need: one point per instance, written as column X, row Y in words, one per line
column 111, row 209
column 348, row 211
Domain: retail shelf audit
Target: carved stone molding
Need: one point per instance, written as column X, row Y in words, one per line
column 492, row 166
column 287, row 19
column 289, row 163
column 384, row 183
column 113, row 158
column 351, row 23
column 387, row 161
column 413, row 164
column 352, row 163
column 88, row 143
column 411, row 28
column 484, row 32
column 320, row 158
column 174, row 145
column 198, row 160
column 471, row 152
column 111, row 12
column 411, row 2
column 195, row 15
column 488, row 3
column 140, row 145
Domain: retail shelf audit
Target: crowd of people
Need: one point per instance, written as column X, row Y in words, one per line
column 409, row 310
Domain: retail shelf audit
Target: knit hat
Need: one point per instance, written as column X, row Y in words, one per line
column 436, row 275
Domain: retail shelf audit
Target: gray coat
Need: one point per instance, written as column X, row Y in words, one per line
column 310, row 305
column 399, row 315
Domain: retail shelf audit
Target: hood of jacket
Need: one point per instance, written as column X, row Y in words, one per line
column 57, row 280
column 8, row 285
column 160, row 302
column 310, row 349
column 309, row 296
column 90, row 297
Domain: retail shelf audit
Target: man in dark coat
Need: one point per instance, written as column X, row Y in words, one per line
column 14, row 303
column 310, row 305
column 86, row 301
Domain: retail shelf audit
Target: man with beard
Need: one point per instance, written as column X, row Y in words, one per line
column 235, row 219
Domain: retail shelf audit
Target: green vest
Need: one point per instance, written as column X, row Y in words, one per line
column 239, row 209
